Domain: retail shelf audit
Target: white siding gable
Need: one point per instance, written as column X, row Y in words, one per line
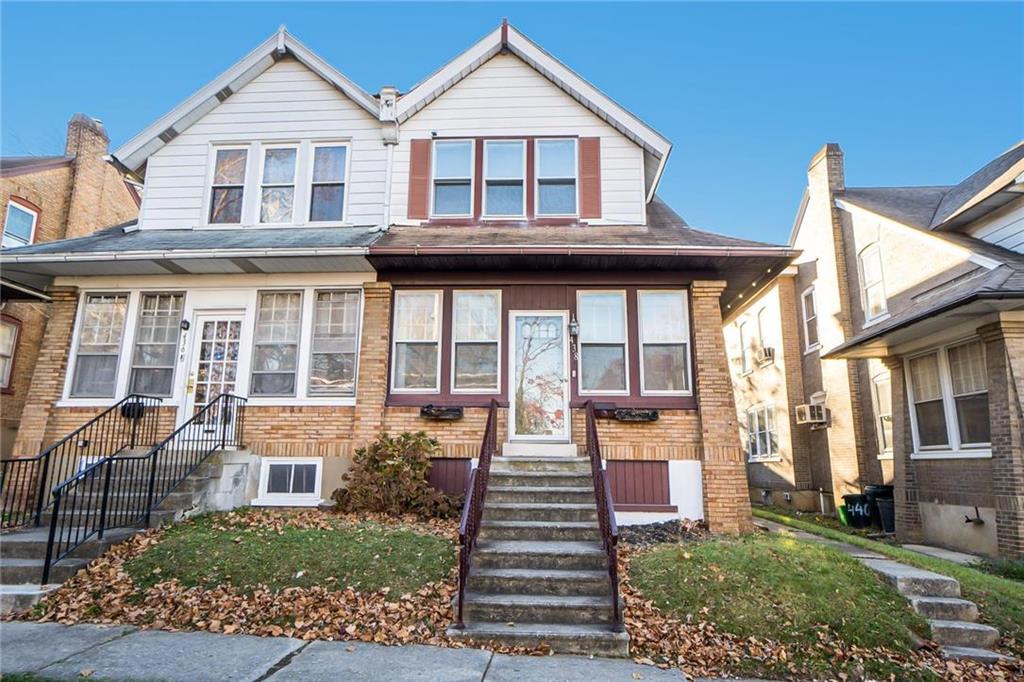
column 1004, row 227
column 286, row 103
column 505, row 96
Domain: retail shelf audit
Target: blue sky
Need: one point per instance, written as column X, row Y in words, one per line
column 915, row 93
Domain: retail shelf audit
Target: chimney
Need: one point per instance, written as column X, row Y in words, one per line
column 827, row 166
column 89, row 145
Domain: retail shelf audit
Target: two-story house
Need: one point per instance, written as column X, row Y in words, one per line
column 353, row 263
column 47, row 198
column 902, row 319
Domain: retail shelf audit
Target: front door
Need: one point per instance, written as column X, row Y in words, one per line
column 539, row 381
column 213, row 365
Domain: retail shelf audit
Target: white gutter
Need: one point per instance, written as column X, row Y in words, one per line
column 182, row 255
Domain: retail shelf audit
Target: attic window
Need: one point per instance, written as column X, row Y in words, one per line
column 327, row 193
column 556, row 177
column 504, row 178
column 277, row 191
column 453, row 178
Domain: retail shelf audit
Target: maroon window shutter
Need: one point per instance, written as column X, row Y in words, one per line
column 419, row 179
column 590, row 177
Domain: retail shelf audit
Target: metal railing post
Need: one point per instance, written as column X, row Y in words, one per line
column 41, row 501
column 152, row 485
column 49, row 542
column 109, row 464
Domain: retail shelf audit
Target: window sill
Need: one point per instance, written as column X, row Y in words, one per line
column 273, row 226
column 952, row 454
column 102, row 402
column 287, row 501
column 885, row 456
column 813, row 349
column 764, row 460
column 875, row 320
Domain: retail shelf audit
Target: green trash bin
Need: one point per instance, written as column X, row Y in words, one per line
column 842, row 515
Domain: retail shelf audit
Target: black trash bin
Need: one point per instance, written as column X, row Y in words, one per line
column 887, row 512
column 875, row 493
column 858, row 511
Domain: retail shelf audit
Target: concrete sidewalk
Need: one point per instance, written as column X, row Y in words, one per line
column 59, row 652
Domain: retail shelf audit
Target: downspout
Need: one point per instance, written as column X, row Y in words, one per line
column 389, row 135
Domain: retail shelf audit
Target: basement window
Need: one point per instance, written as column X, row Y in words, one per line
column 290, row 482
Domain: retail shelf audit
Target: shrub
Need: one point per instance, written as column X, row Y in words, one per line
column 389, row 476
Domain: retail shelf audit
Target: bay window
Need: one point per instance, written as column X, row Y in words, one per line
column 762, row 438
column 156, row 344
column 453, row 178
column 602, row 341
column 335, row 343
column 277, row 191
column 664, row 342
column 504, row 178
column 476, row 333
column 101, row 327
column 556, row 177
column 228, row 188
column 872, row 285
column 327, row 187
column 417, row 333
column 276, row 342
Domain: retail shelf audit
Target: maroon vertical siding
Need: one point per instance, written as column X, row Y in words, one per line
column 449, row 475
column 637, row 484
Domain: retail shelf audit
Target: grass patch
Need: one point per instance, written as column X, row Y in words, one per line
column 772, row 586
column 1001, row 601
column 366, row 556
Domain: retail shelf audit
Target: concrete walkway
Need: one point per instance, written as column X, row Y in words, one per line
column 59, row 652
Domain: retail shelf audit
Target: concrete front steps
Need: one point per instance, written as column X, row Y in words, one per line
column 937, row 598
column 539, row 574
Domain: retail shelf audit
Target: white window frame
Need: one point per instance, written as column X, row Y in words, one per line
column 625, row 342
column 135, row 336
column 434, row 178
column 503, row 216
column 21, row 207
column 810, row 293
column 883, row 452
column 438, row 327
column 266, row 499
column 687, row 340
column 302, row 292
column 955, row 449
column 537, row 178
column 746, row 359
column 773, row 455
column 875, row 250
column 307, row 348
column 127, row 340
column 264, row 148
column 474, row 391
column 5, row 378
column 211, row 172
column 308, row 210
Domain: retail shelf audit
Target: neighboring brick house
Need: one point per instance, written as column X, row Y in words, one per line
column 898, row 282
column 46, row 198
column 354, row 261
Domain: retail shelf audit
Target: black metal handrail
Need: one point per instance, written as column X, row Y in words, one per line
column 473, row 509
column 121, row 491
column 25, row 482
column 605, row 512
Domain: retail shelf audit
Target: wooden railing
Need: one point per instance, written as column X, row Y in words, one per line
column 25, row 482
column 605, row 512
column 121, row 491
column 472, row 509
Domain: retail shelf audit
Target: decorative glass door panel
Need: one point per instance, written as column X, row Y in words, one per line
column 214, row 366
column 539, row 385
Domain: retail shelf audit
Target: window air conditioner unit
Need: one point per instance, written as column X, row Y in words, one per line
column 814, row 414
column 765, row 356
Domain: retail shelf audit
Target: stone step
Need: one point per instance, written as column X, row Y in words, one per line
column 141, row 485
column 31, row 544
column 963, row 634
column 29, row 571
column 540, row 478
column 973, row 654
column 126, row 501
column 585, row 556
column 594, row 640
column 539, row 581
column 530, row 494
column 573, row 531
column 537, row 608
column 158, row 518
column 550, row 464
column 915, row 582
column 945, row 608
column 539, row 511
column 22, row 597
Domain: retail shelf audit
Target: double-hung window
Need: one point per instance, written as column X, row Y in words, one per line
column 332, row 367
column 881, row 387
column 416, row 358
column 744, row 331
column 948, row 390
column 762, row 438
column 99, row 344
column 809, row 307
column 872, row 284
column 156, row 344
column 327, row 188
column 276, row 343
column 8, row 343
column 476, row 333
column 504, row 178
column 228, row 188
column 556, row 177
column 277, row 188
column 453, row 178
column 19, row 225
column 664, row 342
column 602, row 341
